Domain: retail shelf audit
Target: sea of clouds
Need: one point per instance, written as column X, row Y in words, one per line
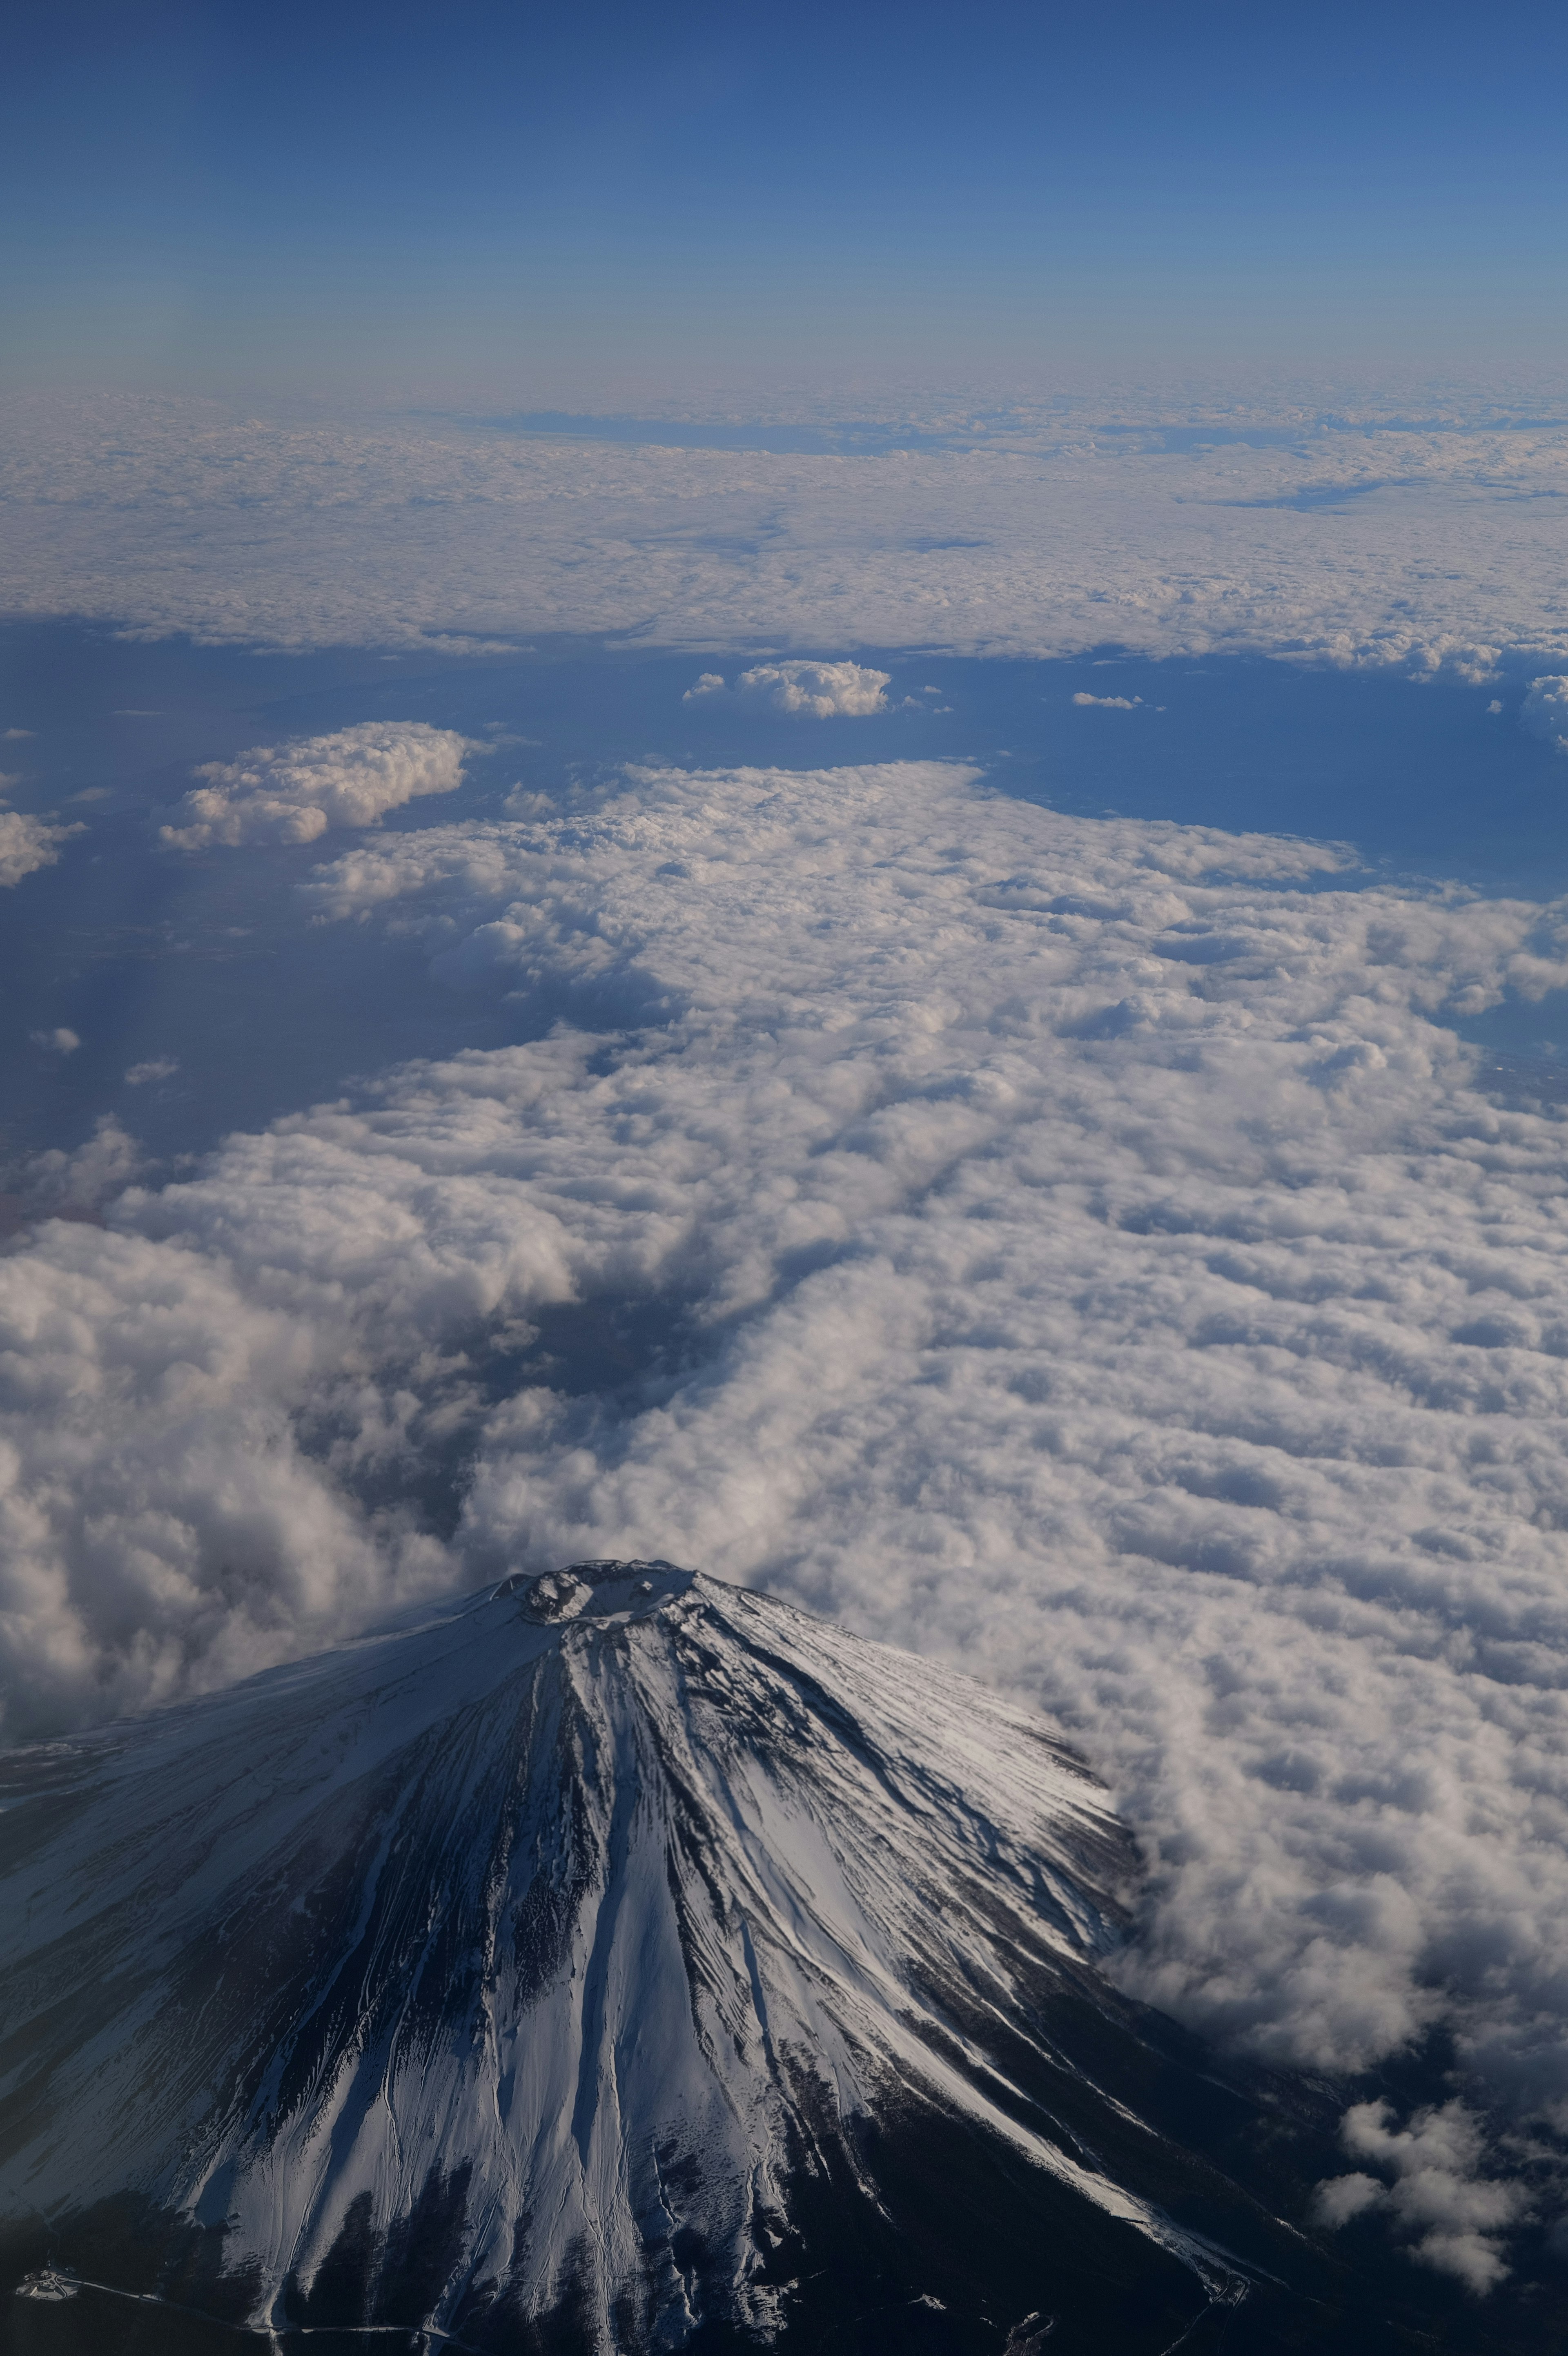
column 1431, row 544
column 1079, row 1249
column 1093, row 1261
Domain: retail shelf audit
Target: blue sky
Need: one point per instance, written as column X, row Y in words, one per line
column 478, row 199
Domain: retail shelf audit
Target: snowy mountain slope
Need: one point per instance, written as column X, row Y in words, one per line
column 616, row 1959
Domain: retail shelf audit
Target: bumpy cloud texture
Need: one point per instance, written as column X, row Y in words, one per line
column 26, row 844
column 293, row 792
column 1545, row 710
column 1420, row 547
column 1075, row 1248
column 1452, row 2212
column 817, row 691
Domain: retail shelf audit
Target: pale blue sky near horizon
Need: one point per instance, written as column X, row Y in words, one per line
column 490, row 199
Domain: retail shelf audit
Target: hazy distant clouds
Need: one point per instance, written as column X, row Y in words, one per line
column 295, row 792
column 817, row 691
column 1395, row 545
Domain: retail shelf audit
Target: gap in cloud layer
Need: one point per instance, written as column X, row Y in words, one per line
column 1419, row 777
column 1075, row 1246
column 1425, row 774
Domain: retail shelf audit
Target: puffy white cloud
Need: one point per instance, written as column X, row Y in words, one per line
column 26, row 844
column 1110, row 702
column 1051, row 538
column 162, row 1527
column 72, row 1183
column 1085, row 1255
column 1545, row 710
column 59, row 1042
column 1341, row 2198
column 1452, row 2213
column 817, row 691
column 157, row 1067
column 295, row 792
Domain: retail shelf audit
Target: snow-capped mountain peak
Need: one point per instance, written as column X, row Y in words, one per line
column 607, row 1956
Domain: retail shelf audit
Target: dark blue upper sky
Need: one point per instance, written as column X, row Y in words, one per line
column 482, row 200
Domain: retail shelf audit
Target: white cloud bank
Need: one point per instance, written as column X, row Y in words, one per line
column 1409, row 547
column 817, row 691
column 1093, row 1262
column 295, row 792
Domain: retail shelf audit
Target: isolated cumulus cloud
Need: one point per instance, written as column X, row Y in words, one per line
column 815, row 690
column 1078, row 1249
column 295, row 792
column 1544, row 712
column 26, row 844
column 1443, row 2199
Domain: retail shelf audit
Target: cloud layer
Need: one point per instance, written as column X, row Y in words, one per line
column 295, row 792
column 1421, row 547
column 1075, row 1248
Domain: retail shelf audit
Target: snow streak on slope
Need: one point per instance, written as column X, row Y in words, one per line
column 586, row 1902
